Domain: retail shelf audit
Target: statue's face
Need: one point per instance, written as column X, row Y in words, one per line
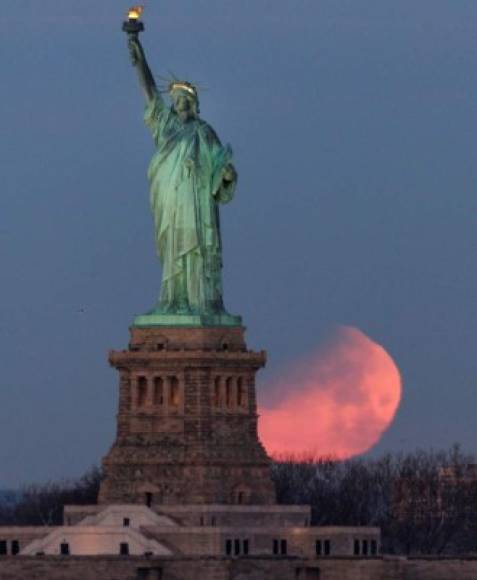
column 184, row 104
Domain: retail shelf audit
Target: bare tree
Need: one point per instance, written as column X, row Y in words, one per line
column 424, row 502
column 42, row 505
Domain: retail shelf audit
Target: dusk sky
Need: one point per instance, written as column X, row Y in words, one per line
column 353, row 125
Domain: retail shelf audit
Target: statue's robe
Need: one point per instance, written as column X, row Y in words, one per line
column 186, row 182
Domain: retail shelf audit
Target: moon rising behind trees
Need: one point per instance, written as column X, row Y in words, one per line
column 336, row 402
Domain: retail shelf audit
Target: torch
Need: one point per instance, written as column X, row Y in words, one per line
column 133, row 25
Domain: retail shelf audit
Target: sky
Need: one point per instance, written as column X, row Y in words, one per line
column 353, row 126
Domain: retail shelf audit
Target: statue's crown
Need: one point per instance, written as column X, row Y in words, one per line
column 183, row 86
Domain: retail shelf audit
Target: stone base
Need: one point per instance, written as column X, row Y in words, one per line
column 187, row 421
column 249, row 568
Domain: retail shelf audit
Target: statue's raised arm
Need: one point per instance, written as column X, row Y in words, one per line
column 139, row 61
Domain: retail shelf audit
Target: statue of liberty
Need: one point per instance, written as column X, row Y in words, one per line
column 190, row 174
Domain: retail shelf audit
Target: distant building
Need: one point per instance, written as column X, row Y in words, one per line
column 451, row 490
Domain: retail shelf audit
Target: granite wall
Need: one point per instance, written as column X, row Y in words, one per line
column 128, row 568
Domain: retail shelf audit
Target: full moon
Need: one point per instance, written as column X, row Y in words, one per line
column 337, row 402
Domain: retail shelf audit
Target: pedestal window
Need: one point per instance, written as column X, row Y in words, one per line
column 141, row 397
column 241, row 400
column 174, row 392
column 158, row 391
column 229, row 392
column 217, row 383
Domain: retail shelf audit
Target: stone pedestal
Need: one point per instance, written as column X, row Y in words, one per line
column 187, row 421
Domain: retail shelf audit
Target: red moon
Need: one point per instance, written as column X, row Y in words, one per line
column 337, row 402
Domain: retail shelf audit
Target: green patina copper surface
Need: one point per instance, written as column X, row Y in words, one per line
column 158, row 318
column 190, row 175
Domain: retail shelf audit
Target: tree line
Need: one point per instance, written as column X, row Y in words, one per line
column 42, row 504
column 425, row 502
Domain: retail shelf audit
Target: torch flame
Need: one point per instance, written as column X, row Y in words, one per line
column 135, row 12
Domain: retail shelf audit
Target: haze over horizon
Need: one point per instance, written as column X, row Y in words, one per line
column 353, row 128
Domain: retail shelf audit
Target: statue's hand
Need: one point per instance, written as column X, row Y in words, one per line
column 135, row 50
column 229, row 174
